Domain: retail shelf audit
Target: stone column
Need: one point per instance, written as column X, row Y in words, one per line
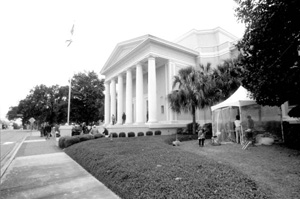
column 152, row 90
column 171, row 68
column 113, row 98
column 120, row 99
column 139, row 95
column 128, row 97
column 107, row 110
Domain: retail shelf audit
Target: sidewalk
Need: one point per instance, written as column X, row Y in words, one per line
column 42, row 170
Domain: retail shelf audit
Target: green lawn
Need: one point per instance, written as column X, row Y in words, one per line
column 148, row 167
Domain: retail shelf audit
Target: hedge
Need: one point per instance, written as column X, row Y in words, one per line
column 85, row 137
column 122, row 134
column 114, row 135
column 99, row 135
column 157, row 133
column 140, row 134
column 71, row 140
column 149, row 133
column 131, row 134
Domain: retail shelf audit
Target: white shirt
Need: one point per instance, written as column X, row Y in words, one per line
column 237, row 123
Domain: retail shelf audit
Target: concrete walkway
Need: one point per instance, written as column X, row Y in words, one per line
column 42, row 170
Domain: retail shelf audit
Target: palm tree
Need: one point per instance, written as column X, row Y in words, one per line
column 226, row 77
column 193, row 88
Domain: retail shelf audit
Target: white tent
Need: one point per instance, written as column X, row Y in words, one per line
column 240, row 103
column 239, row 98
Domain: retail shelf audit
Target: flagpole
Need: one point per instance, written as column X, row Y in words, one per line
column 70, row 85
column 69, row 101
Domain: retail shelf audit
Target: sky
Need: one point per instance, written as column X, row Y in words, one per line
column 33, row 34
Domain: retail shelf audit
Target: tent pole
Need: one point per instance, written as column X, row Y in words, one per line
column 242, row 130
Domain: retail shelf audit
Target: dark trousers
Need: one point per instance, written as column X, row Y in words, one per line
column 201, row 142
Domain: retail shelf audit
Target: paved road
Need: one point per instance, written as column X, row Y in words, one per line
column 9, row 139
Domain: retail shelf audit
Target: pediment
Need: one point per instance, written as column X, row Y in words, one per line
column 122, row 49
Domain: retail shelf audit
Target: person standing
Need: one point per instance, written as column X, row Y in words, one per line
column 123, row 118
column 201, row 137
column 250, row 123
column 237, row 124
column 47, row 130
column 94, row 130
column 113, row 119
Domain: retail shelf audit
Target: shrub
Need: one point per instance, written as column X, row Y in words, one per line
column 190, row 127
column 70, row 141
column 157, row 133
column 122, row 134
column 149, row 133
column 105, row 132
column 208, row 129
column 61, row 141
column 140, row 134
column 114, row 135
column 85, row 137
column 131, row 134
column 99, row 135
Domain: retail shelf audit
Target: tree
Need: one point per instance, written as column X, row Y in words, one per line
column 87, row 99
column 226, row 78
column 270, row 50
column 193, row 87
column 12, row 113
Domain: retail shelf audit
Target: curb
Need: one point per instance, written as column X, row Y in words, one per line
column 11, row 155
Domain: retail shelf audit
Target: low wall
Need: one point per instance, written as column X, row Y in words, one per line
column 65, row 130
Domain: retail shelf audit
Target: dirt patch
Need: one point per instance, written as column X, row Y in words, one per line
column 275, row 167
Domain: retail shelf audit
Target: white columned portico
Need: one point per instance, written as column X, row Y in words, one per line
column 113, row 98
column 139, row 95
column 120, row 99
column 107, row 112
column 128, row 97
column 152, row 90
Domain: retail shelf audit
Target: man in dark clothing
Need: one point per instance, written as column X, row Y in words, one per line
column 124, row 117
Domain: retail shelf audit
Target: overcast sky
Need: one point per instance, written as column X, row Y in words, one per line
column 33, row 34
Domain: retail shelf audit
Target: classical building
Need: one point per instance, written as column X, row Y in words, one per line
column 139, row 75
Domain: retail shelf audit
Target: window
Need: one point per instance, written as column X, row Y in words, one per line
column 162, row 109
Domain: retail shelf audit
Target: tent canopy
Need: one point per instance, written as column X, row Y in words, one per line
column 239, row 98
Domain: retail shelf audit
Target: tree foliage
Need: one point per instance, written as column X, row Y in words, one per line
column 226, row 79
column 50, row 104
column 193, row 89
column 270, row 48
column 87, row 100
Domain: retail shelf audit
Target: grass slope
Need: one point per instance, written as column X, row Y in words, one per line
column 147, row 167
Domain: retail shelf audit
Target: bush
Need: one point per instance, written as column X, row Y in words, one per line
column 140, row 134
column 61, row 141
column 114, row 135
column 157, row 133
column 291, row 135
column 122, row 135
column 99, row 135
column 208, row 128
column 149, row 133
column 85, row 137
column 131, row 134
column 105, row 132
column 71, row 140
column 190, row 128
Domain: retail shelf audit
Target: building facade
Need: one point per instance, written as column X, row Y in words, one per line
column 139, row 76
